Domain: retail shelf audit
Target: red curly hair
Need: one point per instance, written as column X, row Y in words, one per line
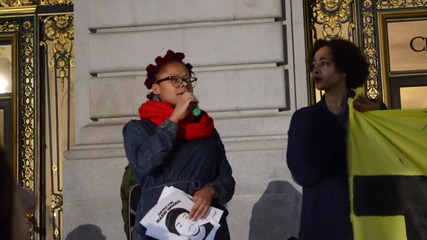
column 153, row 70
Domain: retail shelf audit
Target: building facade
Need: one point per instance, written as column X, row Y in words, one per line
column 75, row 72
column 249, row 57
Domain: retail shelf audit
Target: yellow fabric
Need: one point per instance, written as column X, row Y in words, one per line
column 387, row 142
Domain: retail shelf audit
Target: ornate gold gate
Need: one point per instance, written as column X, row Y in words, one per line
column 36, row 104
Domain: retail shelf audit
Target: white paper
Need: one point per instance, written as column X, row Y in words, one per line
column 168, row 219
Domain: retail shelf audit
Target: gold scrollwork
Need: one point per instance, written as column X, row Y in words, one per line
column 370, row 52
column 57, row 203
column 56, row 200
column 9, row 26
column 16, row 3
column 367, row 3
column 57, row 35
column 60, row 30
column 331, row 14
column 55, row 2
column 26, row 104
column 21, row 3
column 28, row 108
column 401, row 4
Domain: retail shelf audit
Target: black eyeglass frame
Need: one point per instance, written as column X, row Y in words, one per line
column 177, row 81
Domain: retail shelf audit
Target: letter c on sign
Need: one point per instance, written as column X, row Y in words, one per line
column 418, row 39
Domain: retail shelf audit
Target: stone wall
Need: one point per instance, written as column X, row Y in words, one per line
column 249, row 58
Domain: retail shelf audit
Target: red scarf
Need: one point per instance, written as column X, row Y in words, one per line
column 189, row 128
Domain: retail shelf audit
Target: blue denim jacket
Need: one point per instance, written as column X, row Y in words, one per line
column 159, row 159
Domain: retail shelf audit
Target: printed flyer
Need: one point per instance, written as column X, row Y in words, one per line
column 168, row 219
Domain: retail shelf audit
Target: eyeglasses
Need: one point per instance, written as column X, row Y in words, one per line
column 177, row 81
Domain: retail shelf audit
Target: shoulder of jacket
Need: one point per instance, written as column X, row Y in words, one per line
column 138, row 124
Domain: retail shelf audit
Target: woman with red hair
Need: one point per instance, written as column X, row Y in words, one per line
column 169, row 146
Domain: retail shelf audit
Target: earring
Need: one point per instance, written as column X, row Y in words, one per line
column 156, row 98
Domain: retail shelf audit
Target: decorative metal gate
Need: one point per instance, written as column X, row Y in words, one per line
column 36, row 106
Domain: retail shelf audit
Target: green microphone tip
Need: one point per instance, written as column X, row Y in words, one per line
column 196, row 112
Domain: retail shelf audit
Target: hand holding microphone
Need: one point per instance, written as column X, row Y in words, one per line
column 193, row 105
column 187, row 103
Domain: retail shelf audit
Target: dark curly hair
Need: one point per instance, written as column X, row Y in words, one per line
column 348, row 58
column 153, row 70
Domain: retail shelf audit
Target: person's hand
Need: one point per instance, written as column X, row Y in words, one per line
column 181, row 107
column 202, row 201
column 363, row 104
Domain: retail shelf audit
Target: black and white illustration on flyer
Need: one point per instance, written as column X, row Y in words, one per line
column 169, row 220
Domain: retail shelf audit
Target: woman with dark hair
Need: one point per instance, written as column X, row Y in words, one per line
column 170, row 146
column 316, row 152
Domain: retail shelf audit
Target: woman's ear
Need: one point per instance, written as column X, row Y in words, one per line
column 155, row 89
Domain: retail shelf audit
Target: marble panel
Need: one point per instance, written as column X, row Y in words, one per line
column 237, row 129
column 149, row 12
column 231, row 90
column 218, row 45
column 94, row 220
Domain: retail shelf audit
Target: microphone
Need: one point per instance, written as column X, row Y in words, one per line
column 192, row 107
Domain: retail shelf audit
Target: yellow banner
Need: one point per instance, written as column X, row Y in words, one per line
column 387, row 154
